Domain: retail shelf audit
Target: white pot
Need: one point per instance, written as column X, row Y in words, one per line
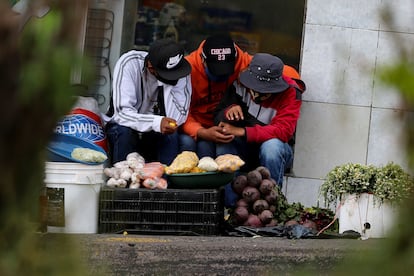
column 366, row 215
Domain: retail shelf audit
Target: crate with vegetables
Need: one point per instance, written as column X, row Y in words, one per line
column 186, row 171
column 189, row 200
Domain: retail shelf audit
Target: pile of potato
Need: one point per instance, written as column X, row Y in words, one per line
column 258, row 194
column 188, row 162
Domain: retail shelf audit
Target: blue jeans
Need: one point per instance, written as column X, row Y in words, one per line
column 204, row 148
column 153, row 146
column 201, row 147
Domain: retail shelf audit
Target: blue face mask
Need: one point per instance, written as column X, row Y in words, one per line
column 215, row 78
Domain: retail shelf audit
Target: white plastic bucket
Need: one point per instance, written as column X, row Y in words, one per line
column 366, row 215
column 73, row 196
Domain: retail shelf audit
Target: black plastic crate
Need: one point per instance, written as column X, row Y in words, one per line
column 170, row 211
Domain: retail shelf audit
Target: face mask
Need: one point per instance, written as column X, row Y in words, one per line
column 258, row 100
column 257, row 97
column 215, row 78
column 170, row 82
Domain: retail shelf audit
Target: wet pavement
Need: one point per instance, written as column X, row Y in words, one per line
column 117, row 254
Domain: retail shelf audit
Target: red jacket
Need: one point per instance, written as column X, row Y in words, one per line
column 282, row 126
column 206, row 94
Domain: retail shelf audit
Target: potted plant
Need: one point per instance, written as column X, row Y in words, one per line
column 366, row 196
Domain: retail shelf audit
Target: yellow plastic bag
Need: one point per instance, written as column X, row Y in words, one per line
column 183, row 163
column 229, row 162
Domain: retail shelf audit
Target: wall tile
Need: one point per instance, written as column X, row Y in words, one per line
column 387, row 136
column 338, row 64
column 402, row 14
column 305, row 191
column 389, row 47
column 329, row 135
column 348, row 13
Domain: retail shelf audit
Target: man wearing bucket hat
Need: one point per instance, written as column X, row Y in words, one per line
column 215, row 65
column 151, row 98
column 262, row 114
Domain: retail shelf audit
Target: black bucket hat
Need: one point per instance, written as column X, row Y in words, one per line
column 264, row 74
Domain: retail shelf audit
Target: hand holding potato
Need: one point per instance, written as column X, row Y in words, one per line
column 168, row 125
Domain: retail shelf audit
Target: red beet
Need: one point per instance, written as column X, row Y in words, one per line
column 310, row 224
column 266, row 186
column 250, row 194
column 291, row 222
column 260, row 205
column 264, row 172
column 274, row 181
column 254, row 221
column 239, row 183
column 242, row 203
column 240, row 215
column 273, row 222
column 254, row 178
column 266, row 216
column 271, row 198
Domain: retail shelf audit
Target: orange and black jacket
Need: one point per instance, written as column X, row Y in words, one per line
column 206, row 94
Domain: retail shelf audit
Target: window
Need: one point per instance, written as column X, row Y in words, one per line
column 271, row 26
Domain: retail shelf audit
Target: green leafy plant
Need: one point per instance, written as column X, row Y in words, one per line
column 387, row 183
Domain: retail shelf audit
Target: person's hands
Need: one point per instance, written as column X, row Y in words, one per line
column 234, row 113
column 168, row 125
column 227, row 128
column 214, row 134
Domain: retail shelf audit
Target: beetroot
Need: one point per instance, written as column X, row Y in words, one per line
column 266, row 186
column 253, row 220
column 291, row 222
column 271, row 198
column 272, row 208
column 239, row 183
column 264, row 172
column 274, row 181
column 241, row 214
column 310, row 224
column 266, row 216
column 242, row 203
column 250, row 194
column 254, row 178
column 260, row 205
column 273, row 222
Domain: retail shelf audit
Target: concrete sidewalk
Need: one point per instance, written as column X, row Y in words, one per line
column 116, row 254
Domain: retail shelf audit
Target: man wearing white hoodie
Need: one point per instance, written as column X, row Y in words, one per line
column 151, row 98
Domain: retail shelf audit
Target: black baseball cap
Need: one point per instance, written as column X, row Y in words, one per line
column 220, row 54
column 167, row 57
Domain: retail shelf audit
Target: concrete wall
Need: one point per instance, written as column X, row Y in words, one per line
column 347, row 114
